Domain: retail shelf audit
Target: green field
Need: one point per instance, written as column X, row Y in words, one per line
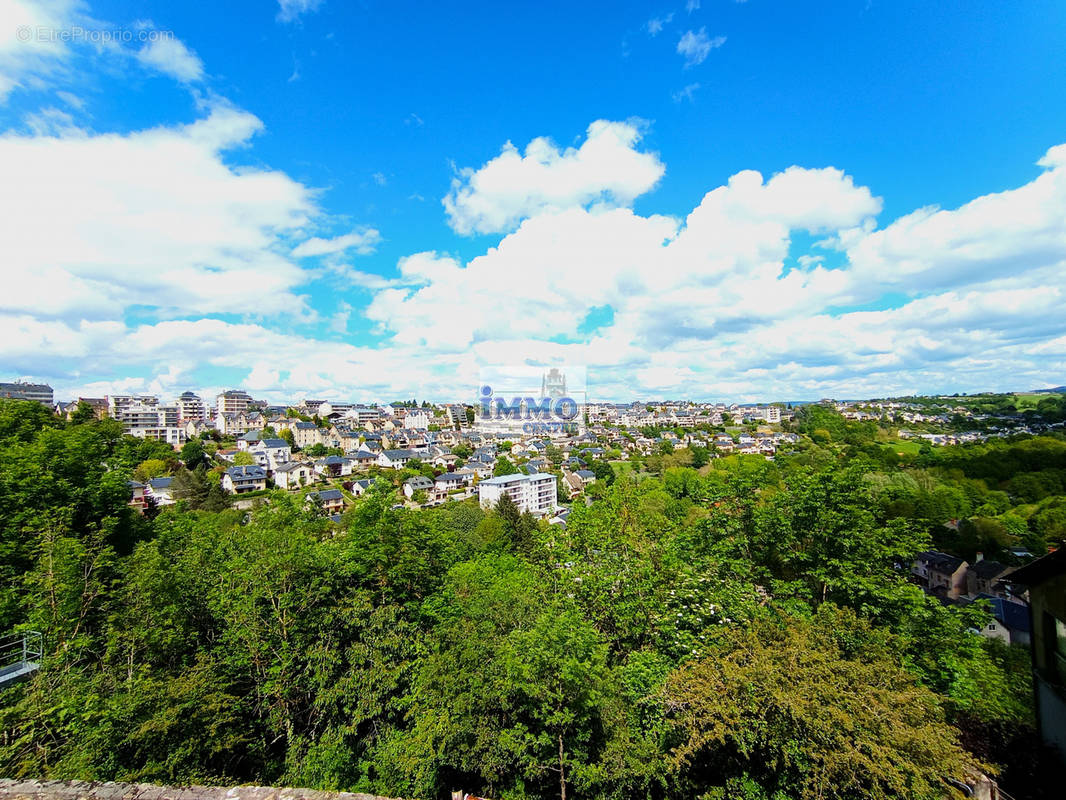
column 1026, row 400
column 905, row 447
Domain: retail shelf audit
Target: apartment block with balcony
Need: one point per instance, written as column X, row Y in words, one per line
column 536, row 493
column 39, row 392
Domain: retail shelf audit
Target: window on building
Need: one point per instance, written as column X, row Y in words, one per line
column 1055, row 648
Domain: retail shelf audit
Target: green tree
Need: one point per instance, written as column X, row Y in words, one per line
column 192, row 454
column 783, row 704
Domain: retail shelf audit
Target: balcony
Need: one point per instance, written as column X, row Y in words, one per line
column 20, row 657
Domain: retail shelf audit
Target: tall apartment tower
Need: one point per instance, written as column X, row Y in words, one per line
column 553, row 384
column 191, row 407
column 233, row 401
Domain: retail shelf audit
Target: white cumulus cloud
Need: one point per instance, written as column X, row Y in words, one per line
column 607, row 168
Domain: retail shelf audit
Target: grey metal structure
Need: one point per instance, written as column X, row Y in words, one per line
column 20, row 656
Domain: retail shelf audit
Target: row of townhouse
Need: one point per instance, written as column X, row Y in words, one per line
column 954, row 579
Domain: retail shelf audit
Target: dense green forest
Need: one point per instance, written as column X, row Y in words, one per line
column 741, row 629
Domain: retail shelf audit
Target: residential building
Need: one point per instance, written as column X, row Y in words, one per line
column 983, row 577
column 416, row 420
column 450, row 482
column 361, row 459
column 143, row 417
column 395, row 459
column 533, row 493
column 240, row 480
column 191, row 407
column 232, row 401
column 331, row 501
column 415, row 484
column 1010, row 620
column 269, row 453
column 293, row 475
column 137, row 500
column 333, row 467
column 248, row 441
column 1046, row 581
column 17, row 390
column 159, row 490
column 97, row 404
column 940, row 574
column 306, row 434
column 361, row 486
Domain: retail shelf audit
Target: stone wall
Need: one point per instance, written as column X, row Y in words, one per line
column 88, row 790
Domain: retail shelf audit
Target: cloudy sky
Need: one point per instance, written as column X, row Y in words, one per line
column 714, row 199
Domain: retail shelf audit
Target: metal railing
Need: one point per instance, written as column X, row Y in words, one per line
column 20, row 654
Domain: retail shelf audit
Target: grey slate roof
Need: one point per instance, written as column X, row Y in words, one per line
column 251, row 472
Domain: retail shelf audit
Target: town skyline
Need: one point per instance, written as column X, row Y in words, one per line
column 679, row 200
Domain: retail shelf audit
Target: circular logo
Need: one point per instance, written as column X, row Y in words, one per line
column 23, row 33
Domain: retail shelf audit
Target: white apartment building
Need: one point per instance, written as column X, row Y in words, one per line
column 191, row 407
column 534, row 493
column 363, row 414
column 232, row 401
column 143, row 417
column 416, row 420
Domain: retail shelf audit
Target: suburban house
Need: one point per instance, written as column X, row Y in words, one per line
column 573, row 484
column 395, row 459
column 940, row 574
column 159, row 490
column 269, row 453
column 1046, row 581
column 293, row 475
column 249, row 441
column 361, row 486
column 1010, row 620
column 333, row 467
column 331, row 501
column 533, row 493
column 361, row 459
column 136, row 495
column 305, row 434
column 983, row 576
column 415, row 484
column 450, row 481
column 240, row 480
column 445, row 460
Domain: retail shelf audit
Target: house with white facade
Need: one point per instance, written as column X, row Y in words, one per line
column 293, row 475
column 395, row 459
column 269, row 453
column 239, row 480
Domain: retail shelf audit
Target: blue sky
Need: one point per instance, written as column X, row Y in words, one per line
column 175, row 206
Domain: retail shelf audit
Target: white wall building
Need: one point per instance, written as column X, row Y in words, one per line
column 191, row 407
column 144, row 418
column 534, row 493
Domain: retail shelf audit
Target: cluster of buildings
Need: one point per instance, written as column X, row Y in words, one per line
column 955, row 580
